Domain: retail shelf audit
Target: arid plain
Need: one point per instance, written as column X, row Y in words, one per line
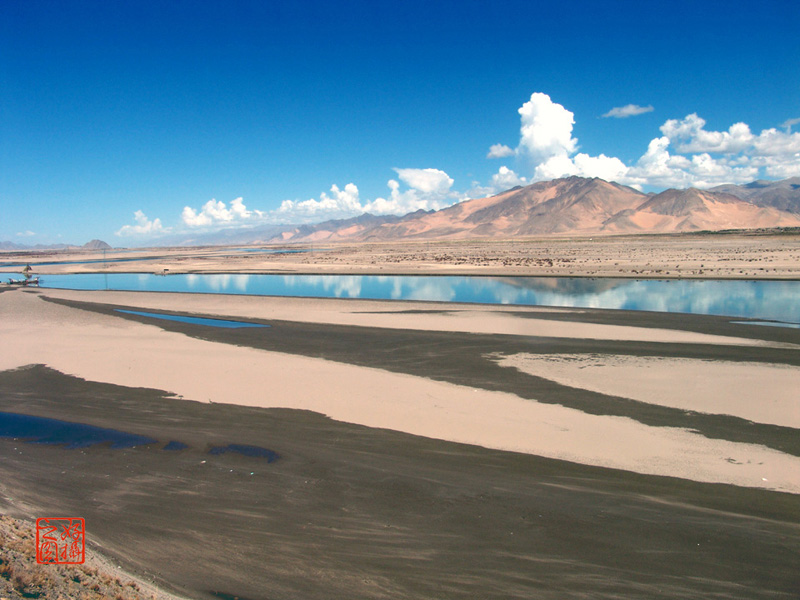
column 736, row 255
column 424, row 450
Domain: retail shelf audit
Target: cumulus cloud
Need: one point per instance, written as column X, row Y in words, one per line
column 629, row 110
column 505, row 179
column 143, row 226
column 659, row 168
column 342, row 203
column 500, row 151
column 27, row 233
column 217, row 213
column 546, row 129
column 605, row 167
column 744, row 155
column 686, row 154
column 416, row 189
column 427, row 181
column 688, row 135
column 428, row 189
column 546, row 140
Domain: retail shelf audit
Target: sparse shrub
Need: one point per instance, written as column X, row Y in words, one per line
column 6, row 570
column 88, row 570
column 29, row 584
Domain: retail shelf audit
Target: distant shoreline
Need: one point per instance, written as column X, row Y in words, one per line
column 729, row 256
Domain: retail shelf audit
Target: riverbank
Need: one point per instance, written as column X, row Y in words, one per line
column 424, row 451
column 22, row 578
column 713, row 256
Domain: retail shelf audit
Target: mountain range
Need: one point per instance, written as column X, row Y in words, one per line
column 93, row 245
column 784, row 195
column 575, row 206
column 568, row 206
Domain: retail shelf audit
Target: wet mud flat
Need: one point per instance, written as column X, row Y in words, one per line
column 461, row 358
column 345, row 511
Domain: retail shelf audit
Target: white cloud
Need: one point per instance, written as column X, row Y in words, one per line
column 789, row 123
column 687, row 154
column 417, row 189
column 217, row 213
column 691, row 137
column 629, row 110
column 604, row 167
column 546, row 138
column 427, row 181
column 429, row 189
column 772, row 142
column 546, row 129
column 239, row 210
column 500, row 151
column 782, row 169
column 27, row 233
column 505, row 179
column 658, row 168
column 144, row 226
column 340, row 204
column 555, row 167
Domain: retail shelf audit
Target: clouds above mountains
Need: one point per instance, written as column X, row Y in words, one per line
column 424, row 189
column 143, row 226
column 547, row 145
column 685, row 154
column 215, row 212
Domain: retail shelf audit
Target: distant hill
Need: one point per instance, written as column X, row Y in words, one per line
column 697, row 210
column 96, row 245
column 23, row 247
column 225, row 237
column 93, row 245
column 783, row 195
column 569, row 206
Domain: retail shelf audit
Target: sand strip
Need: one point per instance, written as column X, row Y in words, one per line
column 763, row 393
column 506, row 320
column 108, row 349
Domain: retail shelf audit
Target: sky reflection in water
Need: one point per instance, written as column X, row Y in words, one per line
column 778, row 300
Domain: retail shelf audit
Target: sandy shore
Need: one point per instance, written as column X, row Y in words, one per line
column 111, row 349
column 425, row 450
column 718, row 387
column 735, row 255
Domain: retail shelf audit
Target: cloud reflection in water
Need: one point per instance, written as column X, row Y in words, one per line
column 737, row 298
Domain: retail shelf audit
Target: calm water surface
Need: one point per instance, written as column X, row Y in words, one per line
column 195, row 320
column 774, row 300
column 42, row 430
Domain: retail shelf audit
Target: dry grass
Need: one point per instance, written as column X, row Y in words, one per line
column 21, row 577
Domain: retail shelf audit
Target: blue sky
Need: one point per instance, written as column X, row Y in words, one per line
column 131, row 121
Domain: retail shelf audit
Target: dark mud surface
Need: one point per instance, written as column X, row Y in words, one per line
column 353, row 512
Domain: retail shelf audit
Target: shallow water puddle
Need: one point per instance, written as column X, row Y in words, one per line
column 193, row 320
column 41, row 430
column 768, row 323
column 252, row 451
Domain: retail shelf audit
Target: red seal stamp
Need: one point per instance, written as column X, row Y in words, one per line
column 60, row 541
